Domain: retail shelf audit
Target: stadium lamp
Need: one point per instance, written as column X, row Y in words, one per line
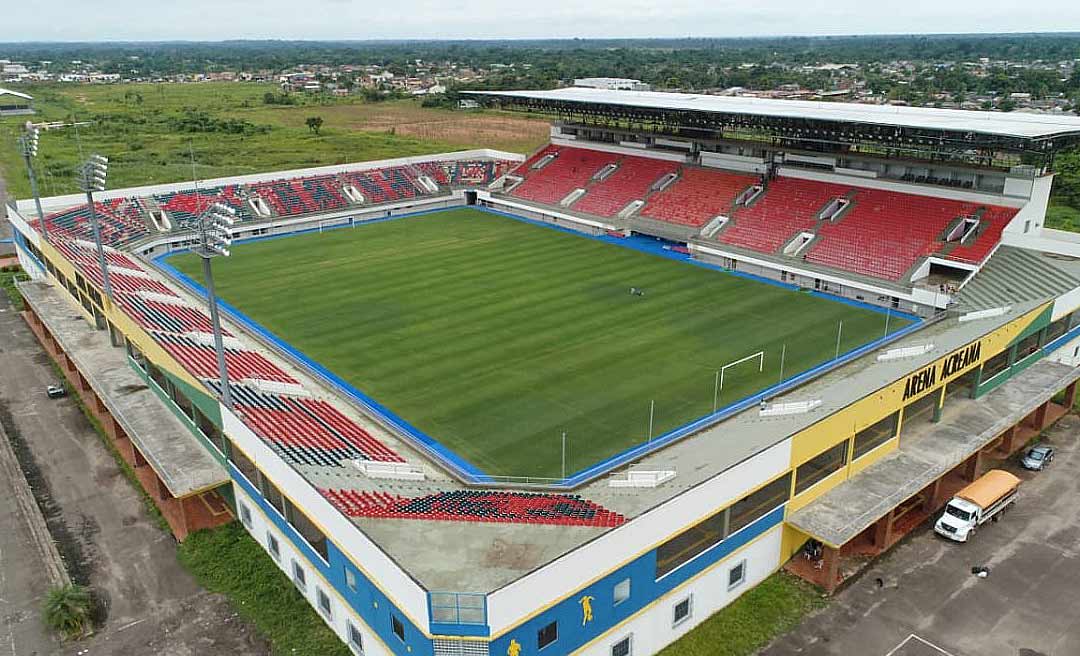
column 91, row 176
column 214, row 239
column 28, row 145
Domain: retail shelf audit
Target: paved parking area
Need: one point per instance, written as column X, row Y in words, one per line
column 913, row 645
column 151, row 604
column 1029, row 605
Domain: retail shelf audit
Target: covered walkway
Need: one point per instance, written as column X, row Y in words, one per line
column 174, row 469
column 870, row 512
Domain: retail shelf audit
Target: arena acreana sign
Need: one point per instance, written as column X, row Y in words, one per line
column 944, row 368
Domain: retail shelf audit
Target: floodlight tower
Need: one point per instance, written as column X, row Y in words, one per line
column 28, row 145
column 92, row 178
column 214, row 228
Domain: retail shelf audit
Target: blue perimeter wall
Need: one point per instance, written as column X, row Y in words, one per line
column 466, row 470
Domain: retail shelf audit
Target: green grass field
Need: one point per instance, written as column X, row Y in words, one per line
column 150, row 131
column 494, row 336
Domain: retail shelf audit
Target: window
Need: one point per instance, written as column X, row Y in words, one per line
column 757, row 504
column 350, row 579
column 245, row 515
column 547, row 635
column 622, row 591
column 691, row 542
column 921, row 410
column 241, row 462
column 622, row 647
column 323, row 600
column 272, row 546
column 698, row 538
column 306, row 529
column 995, row 365
column 397, row 627
column 874, row 436
column 356, row 639
column 1057, row 329
column 736, row 575
column 1027, row 346
column 816, row 469
column 299, row 577
column 682, row 611
column 270, row 492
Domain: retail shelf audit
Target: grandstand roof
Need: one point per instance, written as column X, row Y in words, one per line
column 17, row 94
column 1008, row 125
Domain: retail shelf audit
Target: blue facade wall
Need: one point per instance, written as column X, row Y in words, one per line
column 368, row 601
column 645, row 588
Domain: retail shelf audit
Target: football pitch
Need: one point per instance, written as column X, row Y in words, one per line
column 494, row 336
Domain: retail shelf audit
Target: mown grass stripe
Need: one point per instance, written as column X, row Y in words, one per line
column 494, row 336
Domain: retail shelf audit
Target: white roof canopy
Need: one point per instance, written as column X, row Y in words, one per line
column 9, row 92
column 1013, row 124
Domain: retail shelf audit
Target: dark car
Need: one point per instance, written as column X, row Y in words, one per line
column 1038, row 457
column 55, row 391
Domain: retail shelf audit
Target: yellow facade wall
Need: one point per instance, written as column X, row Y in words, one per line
column 845, row 423
column 131, row 330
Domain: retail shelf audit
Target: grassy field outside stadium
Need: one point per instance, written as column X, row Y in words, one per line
column 494, row 336
column 150, row 132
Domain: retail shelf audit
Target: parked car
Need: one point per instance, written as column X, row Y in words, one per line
column 1038, row 457
column 55, row 391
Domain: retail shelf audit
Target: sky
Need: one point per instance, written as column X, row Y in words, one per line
column 148, row 20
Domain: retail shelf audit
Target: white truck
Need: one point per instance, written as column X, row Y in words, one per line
column 977, row 503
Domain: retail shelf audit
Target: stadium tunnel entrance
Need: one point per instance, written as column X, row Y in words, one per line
column 948, row 447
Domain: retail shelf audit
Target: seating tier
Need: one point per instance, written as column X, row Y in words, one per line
column 697, row 197
column 571, row 169
column 631, row 181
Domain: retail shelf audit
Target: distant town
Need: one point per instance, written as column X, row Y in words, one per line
column 899, row 82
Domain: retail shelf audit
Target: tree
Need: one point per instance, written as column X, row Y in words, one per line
column 68, row 609
column 314, row 123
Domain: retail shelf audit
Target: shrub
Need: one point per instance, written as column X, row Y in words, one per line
column 68, row 610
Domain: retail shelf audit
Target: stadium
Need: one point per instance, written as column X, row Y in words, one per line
column 577, row 400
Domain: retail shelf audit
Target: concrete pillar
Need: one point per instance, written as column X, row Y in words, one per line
column 1040, row 416
column 931, row 498
column 1070, row 395
column 830, row 569
column 883, row 531
column 972, row 466
column 162, row 491
column 1007, row 440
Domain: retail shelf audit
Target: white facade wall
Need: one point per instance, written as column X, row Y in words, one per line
column 1067, row 354
column 366, row 556
column 651, row 629
column 578, row 568
column 340, row 612
column 1032, row 215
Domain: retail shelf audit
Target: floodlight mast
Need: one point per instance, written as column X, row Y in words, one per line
column 28, row 145
column 92, row 176
column 214, row 228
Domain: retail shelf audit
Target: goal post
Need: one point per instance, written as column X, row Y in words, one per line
column 718, row 388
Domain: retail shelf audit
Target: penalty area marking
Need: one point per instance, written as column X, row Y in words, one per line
column 913, row 645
